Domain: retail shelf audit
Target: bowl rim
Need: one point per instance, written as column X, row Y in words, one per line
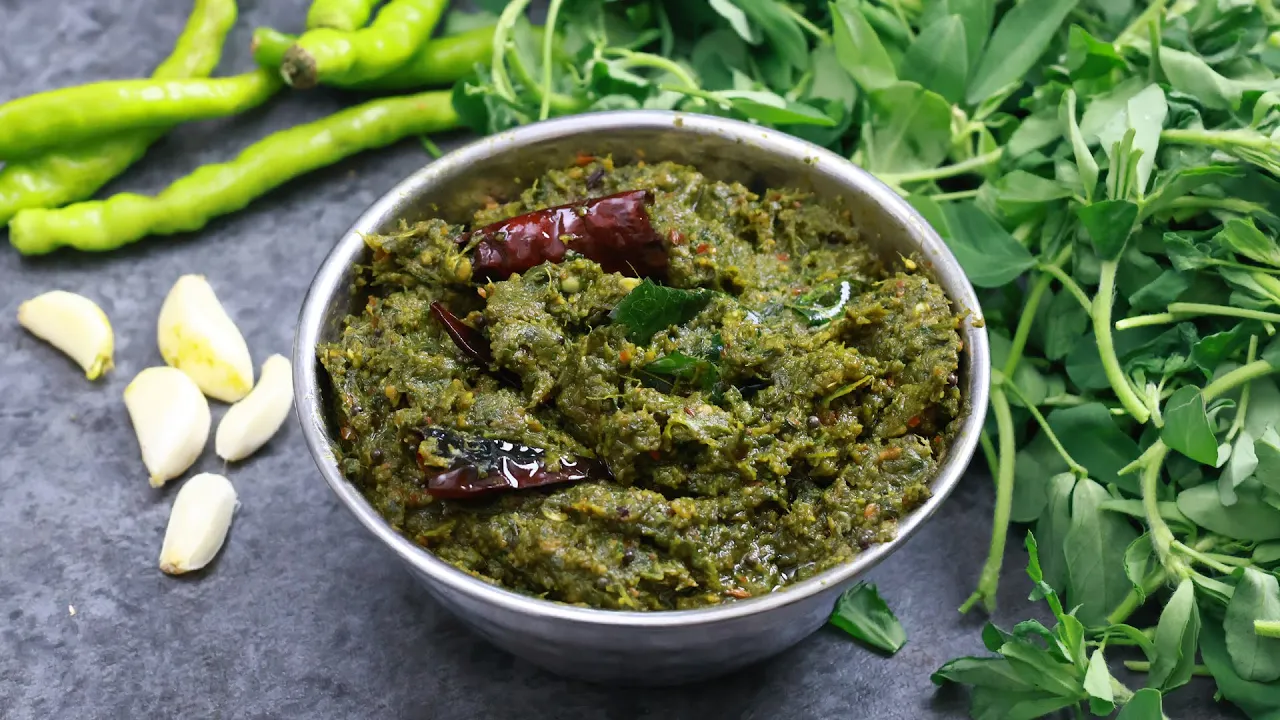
column 326, row 285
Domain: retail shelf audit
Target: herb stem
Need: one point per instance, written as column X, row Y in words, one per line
column 957, row 195
column 628, row 58
column 1267, row 628
column 1135, row 599
column 946, row 171
column 1201, row 558
column 989, row 581
column 805, row 23
column 1241, row 375
column 1139, row 24
column 1138, row 321
column 1028, row 317
column 1162, row 538
column 498, row 66
column 1200, row 202
column 1076, row 468
column 1102, row 304
column 1219, row 139
column 548, row 52
column 989, row 451
column 1070, row 285
column 1144, row 666
column 1242, row 411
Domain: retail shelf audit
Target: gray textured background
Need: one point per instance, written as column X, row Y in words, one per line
column 303, row 614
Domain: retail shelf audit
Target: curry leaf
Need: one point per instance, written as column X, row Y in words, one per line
column 651, row 308
column 861, row 613
column 1186, row 426
column 1256, row 597
column 1023, row 35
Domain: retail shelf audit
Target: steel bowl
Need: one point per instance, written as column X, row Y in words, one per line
column 658, row 647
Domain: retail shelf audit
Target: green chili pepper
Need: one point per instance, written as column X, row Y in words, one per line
column 442, row 61
column 344, row 15
column 73, row 115
column 324, row 54
column 75, row 173
column 213, row 190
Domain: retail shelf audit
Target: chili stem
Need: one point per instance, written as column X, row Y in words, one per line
column 1102, row 304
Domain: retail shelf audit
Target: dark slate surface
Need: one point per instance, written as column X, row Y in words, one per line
column 303, row 614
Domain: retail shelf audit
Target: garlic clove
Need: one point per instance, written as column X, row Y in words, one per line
column 75, row 325
column 197, row 336
column 198, row 523
column 171, row 419
column 250, row 423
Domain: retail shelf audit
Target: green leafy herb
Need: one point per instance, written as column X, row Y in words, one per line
column 651, row 308
column 861, row 613
column 1186, row 426
column 1256, row 597
column 1106, row 173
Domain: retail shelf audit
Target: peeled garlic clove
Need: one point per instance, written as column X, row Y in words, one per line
column 198, row 337
column 75, row 325
column 198, row 523
column 171, row 419
column 250, row 423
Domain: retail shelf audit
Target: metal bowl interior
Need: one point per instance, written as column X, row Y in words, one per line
column 651, row 647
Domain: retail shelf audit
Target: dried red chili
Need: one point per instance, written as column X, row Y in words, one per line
column 614, row 230
column 471, row 342
column 482, row 466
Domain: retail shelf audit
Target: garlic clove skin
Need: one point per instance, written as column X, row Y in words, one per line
column 75, row 325
column 198, row 523
column 250, row 423
column 196, row 335
column 171, row 418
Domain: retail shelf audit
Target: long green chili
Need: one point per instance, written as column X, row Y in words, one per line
column 75, row 173
column 73, row 115
column 344, row 15
column 442, row 61
column 214, row 190
column 325, row 54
